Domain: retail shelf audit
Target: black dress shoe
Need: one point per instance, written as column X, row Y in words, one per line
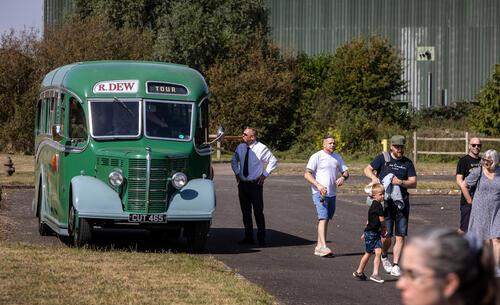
column 262, row 243
column 246, row 241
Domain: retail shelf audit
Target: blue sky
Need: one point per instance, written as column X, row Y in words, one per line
column 20, row 15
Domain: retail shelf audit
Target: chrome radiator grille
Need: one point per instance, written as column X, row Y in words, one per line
column 159, row 188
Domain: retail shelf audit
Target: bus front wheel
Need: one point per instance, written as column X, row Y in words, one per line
column 82, row 235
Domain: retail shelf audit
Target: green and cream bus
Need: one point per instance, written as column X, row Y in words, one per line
column 123, row 144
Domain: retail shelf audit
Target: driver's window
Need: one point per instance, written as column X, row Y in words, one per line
column 76, row 120
column 201, row 136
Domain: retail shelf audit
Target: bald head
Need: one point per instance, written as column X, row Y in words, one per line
column 474, row 147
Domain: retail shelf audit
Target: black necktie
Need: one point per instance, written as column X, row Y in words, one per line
column 245, row 164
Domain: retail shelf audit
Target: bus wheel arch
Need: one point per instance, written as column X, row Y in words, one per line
column 79, row 229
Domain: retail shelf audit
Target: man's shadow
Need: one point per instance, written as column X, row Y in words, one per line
column 225, row 241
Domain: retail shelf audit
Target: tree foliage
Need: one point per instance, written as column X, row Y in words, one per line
column 255, row 87
column 354, row 90
column 193, row 32
column 18, row 89
column 25, row 59
column 487, row 117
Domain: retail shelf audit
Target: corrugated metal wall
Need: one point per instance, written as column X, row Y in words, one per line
column 461, row 36
column 54, row 12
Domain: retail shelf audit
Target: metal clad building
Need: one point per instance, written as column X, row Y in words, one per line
column 450, row 47
column 54, row 12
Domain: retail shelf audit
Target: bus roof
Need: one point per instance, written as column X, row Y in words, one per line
column 82, row 77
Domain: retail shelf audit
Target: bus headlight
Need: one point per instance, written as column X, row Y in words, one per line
column 115, row 178
column 179, row 180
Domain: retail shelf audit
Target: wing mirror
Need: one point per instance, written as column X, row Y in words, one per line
column 220, row 135
column 57, row 133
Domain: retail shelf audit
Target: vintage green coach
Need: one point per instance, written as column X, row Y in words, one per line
column 123, row 144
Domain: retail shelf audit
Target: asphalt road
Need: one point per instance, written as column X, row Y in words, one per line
column 287, row 267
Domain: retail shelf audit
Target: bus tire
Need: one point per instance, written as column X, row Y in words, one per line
column 83, row 234
column 196, row 235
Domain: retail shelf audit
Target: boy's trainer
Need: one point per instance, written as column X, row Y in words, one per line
column 376, row 278
column 359, row 276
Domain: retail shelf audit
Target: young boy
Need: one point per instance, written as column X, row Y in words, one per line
column 375, row 228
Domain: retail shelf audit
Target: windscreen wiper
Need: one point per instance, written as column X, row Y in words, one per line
column 121, row 103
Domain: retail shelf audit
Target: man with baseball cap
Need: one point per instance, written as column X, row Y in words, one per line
column 396, row 219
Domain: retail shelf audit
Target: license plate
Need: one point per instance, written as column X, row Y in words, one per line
column 151, row 218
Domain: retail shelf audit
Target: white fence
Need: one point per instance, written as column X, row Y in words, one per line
column 465, row 138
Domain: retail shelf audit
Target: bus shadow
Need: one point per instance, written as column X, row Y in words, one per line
column 220, row 241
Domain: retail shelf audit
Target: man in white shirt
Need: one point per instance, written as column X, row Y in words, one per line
column 325, row 171
column 252, row 162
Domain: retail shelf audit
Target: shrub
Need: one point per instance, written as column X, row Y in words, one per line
column 354, row 91
column 486, row 119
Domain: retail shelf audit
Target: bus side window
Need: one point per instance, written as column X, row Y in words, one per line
column 61, row 112
column 38, row 122
column 76, row 122
column 201, row 136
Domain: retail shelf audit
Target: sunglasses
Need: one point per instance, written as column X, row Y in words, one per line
column 487, row 161
column 476, row 145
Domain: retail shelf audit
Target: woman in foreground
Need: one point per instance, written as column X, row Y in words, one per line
column 441, row 267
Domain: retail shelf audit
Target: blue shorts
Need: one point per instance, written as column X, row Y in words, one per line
column 372, row 241
column 396, row 220
column 325, row 209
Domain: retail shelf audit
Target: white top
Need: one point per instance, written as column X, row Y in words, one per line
column 259, row 157
column 325, row 169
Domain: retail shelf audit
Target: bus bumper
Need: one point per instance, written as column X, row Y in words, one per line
column 92, row 198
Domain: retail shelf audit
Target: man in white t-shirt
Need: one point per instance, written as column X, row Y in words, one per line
column 325, row 171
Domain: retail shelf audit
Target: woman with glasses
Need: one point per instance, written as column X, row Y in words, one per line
column 442, row 266
column 485, row 214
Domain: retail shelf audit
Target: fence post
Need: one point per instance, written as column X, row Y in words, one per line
column 415, row 147
column 218, row 150
column 466, row 142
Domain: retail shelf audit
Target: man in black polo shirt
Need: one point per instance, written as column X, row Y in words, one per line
column 396, row 218
column 464, row 166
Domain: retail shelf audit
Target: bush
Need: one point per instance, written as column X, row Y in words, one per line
column 486, row 119
column 354, row 92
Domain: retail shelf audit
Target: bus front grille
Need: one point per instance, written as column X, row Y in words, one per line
column 159, row 186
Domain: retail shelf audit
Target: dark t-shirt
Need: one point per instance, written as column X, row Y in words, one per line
column 402, row 168
column 464, row 167
column 376, row 210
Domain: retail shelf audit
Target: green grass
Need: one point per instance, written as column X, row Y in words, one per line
column 58, row 275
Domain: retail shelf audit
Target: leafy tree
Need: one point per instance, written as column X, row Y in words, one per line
column 487, row 117
column 92, row 39
column 357, row 95
column 255, row 87
column 18, row 74
column 193, row 32
column 25, row 59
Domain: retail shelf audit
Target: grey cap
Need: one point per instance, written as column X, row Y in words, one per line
column 398, row 140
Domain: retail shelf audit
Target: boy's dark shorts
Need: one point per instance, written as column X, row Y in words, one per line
column 372, row 241
column 465, row 216
column 396, row 220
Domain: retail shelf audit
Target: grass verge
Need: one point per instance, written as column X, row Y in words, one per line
column 45, row 275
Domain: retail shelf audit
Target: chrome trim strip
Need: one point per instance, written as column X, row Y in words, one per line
column 148, row 174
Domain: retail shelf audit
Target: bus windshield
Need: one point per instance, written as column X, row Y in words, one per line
column 171, row 120
column 115, row 118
